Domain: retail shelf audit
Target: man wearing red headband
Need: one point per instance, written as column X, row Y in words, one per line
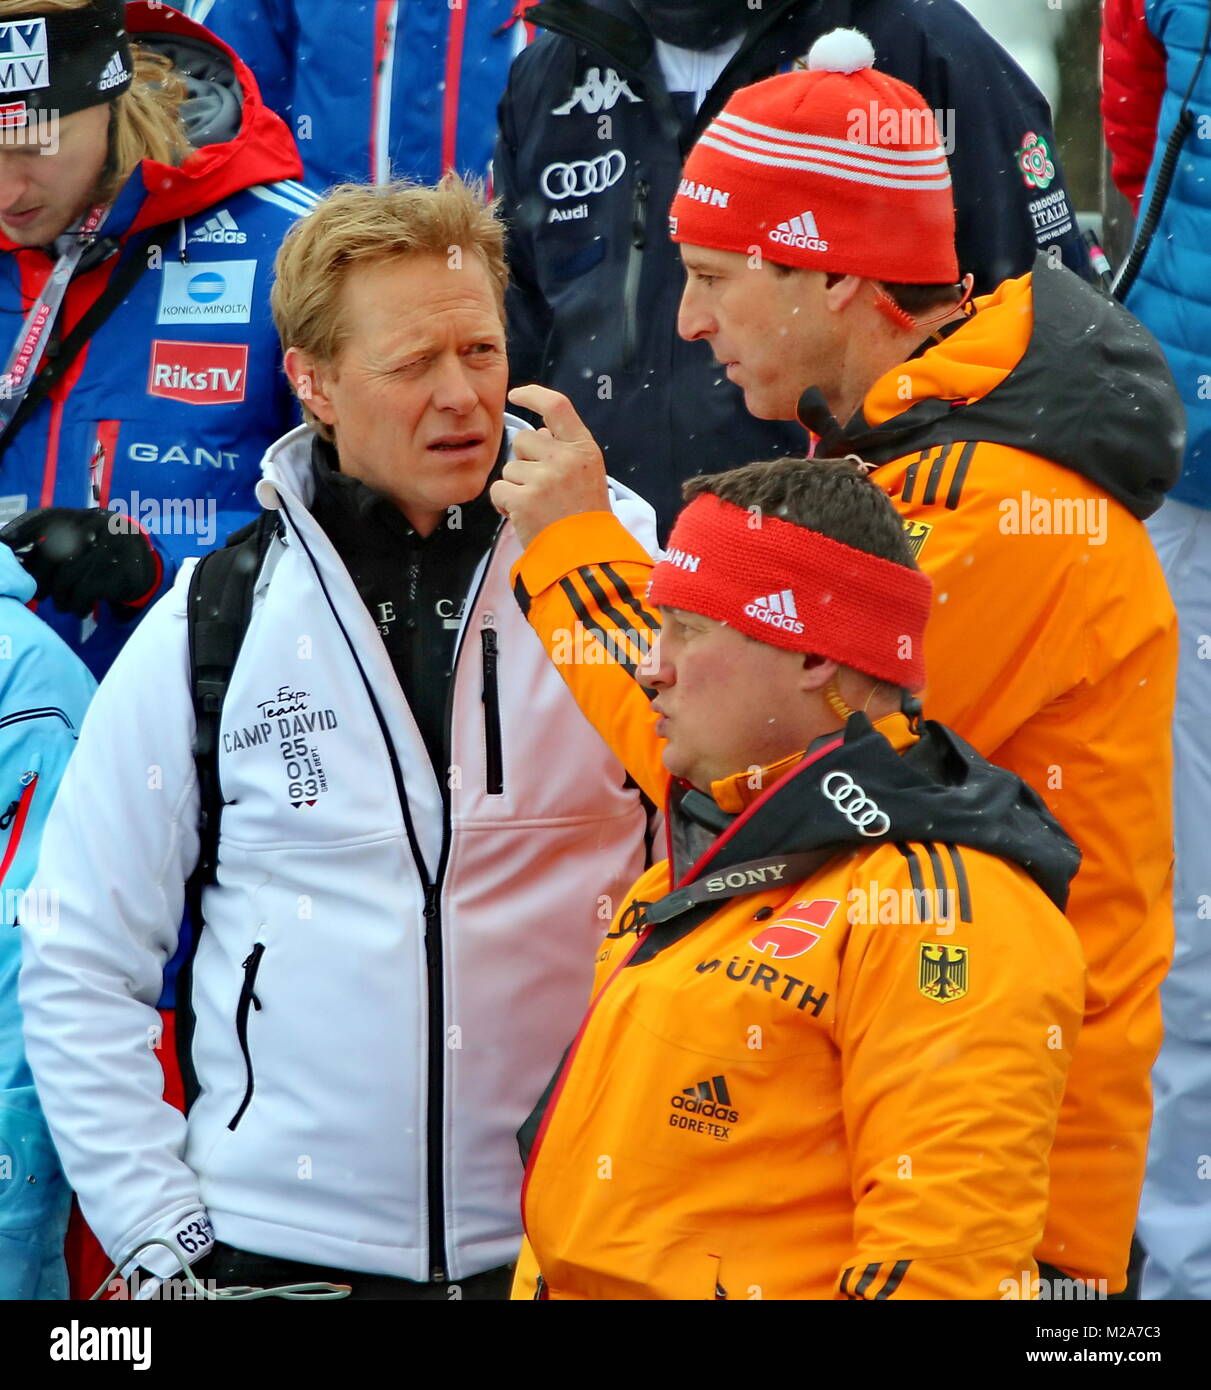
column 1021, row 443
column 830, row 1033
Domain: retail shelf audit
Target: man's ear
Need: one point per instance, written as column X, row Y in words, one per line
column 816, row 672
column 841, row 290
column 309, row 381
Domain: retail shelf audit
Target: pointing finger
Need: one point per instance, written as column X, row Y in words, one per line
column 557, row 411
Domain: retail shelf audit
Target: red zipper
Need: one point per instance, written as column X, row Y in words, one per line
column 14, row 839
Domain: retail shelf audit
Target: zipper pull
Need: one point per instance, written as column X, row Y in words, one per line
column 430, row 915
column 639, row 230
column 250, row 964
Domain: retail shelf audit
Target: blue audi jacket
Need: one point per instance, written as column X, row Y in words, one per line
column 589, row 158
column 168, row 409
column 378, row 88
column 44, row 691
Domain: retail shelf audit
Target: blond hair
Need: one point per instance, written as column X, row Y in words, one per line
column 361, row 224
column 145, row 120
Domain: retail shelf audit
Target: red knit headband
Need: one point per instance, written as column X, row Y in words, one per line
column 790, row 587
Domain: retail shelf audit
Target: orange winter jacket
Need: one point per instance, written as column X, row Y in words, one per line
column 1021, row 451
column 841, row 1086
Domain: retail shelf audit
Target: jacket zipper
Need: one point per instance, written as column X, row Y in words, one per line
column 438, row 1263
column 434, row 1186
column 248, row 999
column 630, row 329
column 493, row 758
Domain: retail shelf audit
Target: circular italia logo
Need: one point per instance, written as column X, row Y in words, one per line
column 207, row 287
column 1034, row 160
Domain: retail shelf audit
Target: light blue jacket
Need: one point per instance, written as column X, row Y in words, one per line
column 44, row 691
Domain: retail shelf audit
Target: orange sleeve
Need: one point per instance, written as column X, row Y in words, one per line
column 582, row 585
column 955, row 1038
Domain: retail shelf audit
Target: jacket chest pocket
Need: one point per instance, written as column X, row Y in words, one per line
column 737, row 1004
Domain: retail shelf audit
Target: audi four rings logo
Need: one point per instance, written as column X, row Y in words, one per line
column 584, row 176
column 855, row 805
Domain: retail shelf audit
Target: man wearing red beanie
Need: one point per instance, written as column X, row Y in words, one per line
column 845, row 1003
column 1022, row 438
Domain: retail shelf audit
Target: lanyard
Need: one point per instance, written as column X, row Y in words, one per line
column 22, row 365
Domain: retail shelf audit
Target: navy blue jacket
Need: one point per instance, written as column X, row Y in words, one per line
column 593, row 304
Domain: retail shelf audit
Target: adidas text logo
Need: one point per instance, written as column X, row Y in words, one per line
column 705, row 1108
column 115, row 73
column 222, row 227
column 800, row 231
column 778, row 610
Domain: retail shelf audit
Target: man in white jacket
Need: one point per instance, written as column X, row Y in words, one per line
column 397, row 941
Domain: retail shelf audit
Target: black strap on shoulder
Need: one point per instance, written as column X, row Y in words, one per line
column 751, row 876
column 219, row 607
column 60, row 356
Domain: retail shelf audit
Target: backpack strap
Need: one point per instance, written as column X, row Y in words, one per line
column 218, row 609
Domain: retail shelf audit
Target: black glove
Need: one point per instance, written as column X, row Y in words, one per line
column 79, row 556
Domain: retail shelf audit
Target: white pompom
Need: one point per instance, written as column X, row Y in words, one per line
column 842, row 50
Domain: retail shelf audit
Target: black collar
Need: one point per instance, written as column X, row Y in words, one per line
column 357, row 501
